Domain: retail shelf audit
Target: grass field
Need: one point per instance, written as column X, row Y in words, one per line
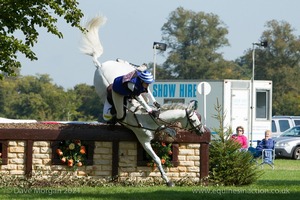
column 281, row 183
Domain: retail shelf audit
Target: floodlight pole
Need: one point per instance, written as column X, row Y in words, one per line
column 252, row 93
column 154, row 60
column 160, row 46
column 263, row 44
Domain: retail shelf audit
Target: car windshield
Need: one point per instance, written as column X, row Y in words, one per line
column 292, row 132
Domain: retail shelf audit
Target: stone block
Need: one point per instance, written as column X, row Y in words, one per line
column 187, row 163
column 193, row 146
column 41, row 144
column 192, row 158
column 16, row 149
column 186, row 151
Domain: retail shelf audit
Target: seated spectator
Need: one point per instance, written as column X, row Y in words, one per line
column 266, row 143
column 241, row 138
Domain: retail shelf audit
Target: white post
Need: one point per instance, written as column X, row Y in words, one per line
column 204, row 104
column 204, row 89
column 154, row 62
column 252, row 93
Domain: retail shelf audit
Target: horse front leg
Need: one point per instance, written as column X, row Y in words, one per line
column 148, row 148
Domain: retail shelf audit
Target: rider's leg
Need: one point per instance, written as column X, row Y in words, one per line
column 107, row 114
column 119, row 104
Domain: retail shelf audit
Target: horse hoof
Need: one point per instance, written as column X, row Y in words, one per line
column 170, row 184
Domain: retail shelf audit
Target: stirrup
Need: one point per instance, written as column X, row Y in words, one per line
column 113, row 121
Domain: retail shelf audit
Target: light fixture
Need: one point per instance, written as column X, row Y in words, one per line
column 160, row 46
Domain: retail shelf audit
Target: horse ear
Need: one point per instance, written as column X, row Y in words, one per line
column 193, row 104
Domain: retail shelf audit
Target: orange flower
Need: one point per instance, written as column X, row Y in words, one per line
column 70, row 162
column 170, row 152
column 63, row 159
column 82, row 150
column 79, row 164
column 163, row 161
column 59, row 152
column 163, row 144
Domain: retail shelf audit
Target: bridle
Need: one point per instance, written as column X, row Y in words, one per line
column 194, row 128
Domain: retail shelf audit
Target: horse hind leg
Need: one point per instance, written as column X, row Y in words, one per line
column 148, row 148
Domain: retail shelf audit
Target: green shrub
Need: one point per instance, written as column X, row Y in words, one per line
column 228, row 165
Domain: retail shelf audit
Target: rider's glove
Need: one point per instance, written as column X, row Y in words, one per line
column 154, row 113
column 157, row 105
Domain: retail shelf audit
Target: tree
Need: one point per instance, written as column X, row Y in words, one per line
column 90, row 107
column 280, row 62
column 194, row 39
column 25, row 16
column 227, row 164
column 36, row 97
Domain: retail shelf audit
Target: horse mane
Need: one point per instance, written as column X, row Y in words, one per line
column 173, row 106
column 136, row 106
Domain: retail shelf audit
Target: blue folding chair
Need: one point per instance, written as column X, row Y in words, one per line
column 268, row 157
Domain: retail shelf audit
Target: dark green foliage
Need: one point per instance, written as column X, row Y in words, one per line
column 35, row 97
column 25, row 17
column 193, row 40
column 280, row 63
column 90, row 106
column 228, row 165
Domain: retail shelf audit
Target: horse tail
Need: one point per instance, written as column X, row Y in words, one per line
column 91, row 44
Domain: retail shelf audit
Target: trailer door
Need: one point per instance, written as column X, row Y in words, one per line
column 240, row 105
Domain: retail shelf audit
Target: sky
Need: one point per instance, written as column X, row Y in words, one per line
column 133, row 25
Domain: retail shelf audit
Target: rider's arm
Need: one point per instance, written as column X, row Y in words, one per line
column 150, row 95
column 142, row 101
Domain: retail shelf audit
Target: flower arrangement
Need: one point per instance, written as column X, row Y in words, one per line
column 72, row 153
column 163, row 151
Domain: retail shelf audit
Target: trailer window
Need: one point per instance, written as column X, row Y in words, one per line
column 262, row 104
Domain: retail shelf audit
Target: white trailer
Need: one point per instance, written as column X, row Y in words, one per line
column 234, row 96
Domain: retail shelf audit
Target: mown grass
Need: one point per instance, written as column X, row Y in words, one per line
column 281, row 183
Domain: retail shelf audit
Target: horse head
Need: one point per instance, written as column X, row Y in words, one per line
column 194, row 118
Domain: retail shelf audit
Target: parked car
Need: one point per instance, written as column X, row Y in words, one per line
column 282, row 123
column 288, row 143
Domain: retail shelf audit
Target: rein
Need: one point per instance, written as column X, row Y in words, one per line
column 160, row 127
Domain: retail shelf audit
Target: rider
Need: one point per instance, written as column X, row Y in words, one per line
column 132, row 85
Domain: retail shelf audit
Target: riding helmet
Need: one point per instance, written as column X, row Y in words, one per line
column 146, row 76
